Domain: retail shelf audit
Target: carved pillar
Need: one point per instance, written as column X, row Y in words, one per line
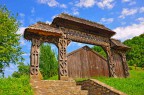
column 110, row 61
column 124, row 64
column 63, row 66
column 34, row 59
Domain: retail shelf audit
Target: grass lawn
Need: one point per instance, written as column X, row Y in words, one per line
column 133, row 85
column 15, row 86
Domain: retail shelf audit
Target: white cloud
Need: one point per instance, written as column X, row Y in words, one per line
column 127, row 12
column 50, row 3
column 75, row 11
column 48, row 22
column 100, row 3
column 126, row 0
column 107, row 20
column 21, row 30
column 53, row 16
column 141, row 19
column 123, row 23
column 105, row 4
column 132, row 3
column 63, row 6
column 129, row 32
column 86, row 3
column 141, row 10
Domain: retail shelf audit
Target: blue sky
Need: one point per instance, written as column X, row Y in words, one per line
column 125, row 17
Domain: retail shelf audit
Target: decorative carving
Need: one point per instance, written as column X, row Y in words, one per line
column 62, row 45
column 34, row 66
column 84, row 37
column 110, row 61
column 124, row 63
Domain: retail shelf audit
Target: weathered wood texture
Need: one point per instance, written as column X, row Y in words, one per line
column 85, row 62
column 119, row 70
column 34, row 59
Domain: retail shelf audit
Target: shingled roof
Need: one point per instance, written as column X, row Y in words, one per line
column 43, row 29
column 118, row 45
column 68, row 21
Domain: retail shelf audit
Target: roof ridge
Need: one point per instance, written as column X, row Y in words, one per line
column 80, row 18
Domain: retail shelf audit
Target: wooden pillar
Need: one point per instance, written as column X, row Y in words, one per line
column 110, row 61
column 62, row 57
column 125, row 66
column 34, row 59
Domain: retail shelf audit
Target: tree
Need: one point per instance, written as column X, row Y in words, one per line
column 10, row 50
column 136, row 54
column 48, row 61
column 22, row 70
column 99, row 50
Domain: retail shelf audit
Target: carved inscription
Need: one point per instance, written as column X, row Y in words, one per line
column 34, row 66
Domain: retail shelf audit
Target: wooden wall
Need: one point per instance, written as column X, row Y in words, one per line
column 85, row 62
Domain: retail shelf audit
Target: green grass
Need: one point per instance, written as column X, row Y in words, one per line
column 133, row 85
column 53, row 78
column 15, row 86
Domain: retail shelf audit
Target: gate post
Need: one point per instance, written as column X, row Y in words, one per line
column 110, row 61
column 123, row 56
column 34, row 59
column 62, row 58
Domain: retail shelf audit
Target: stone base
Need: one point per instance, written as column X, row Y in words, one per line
column 64, row 78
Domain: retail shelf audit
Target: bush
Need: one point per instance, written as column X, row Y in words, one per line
column 15, row 86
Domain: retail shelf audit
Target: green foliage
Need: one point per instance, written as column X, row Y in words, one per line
column 134, row 85
column 48, row 62
column 15, row 86
column 136, row 54
column 10, row 50
column 22, row 70
column 99, row 50
column 53, row 77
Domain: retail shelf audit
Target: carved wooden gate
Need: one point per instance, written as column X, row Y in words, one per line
column 61, row 32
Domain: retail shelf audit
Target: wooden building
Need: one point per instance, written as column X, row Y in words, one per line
column 85, row 62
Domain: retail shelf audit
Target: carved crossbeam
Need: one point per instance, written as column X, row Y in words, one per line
column 34, row 60
column 84, row 37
